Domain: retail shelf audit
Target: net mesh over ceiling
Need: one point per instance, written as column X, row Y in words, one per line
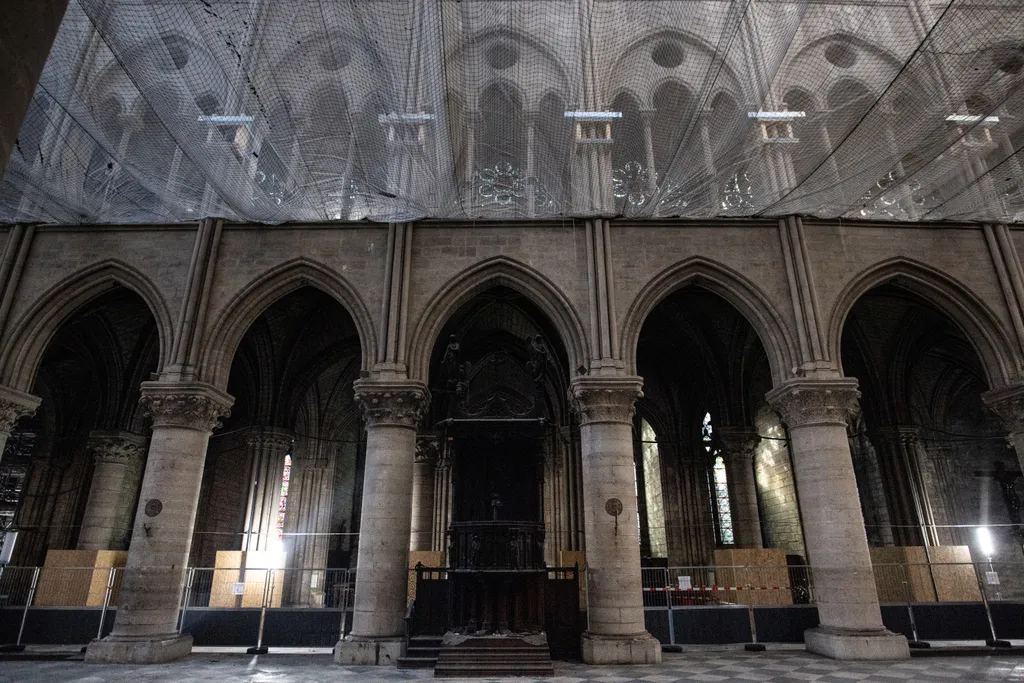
column 310, row 110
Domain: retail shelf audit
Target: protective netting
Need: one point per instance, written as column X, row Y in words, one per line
column 163, row 111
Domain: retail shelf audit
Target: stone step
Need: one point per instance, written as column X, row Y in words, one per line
column 470, row 671
column 417, row 662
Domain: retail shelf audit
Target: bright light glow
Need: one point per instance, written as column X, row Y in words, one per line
column 395, row 117
column 226, row 120
column 776, row 115
column 970, row 118
column 985, row 543
column 593, row 115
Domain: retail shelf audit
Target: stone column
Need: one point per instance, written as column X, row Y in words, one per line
column 14, row 405
column 145, row 631
column 738, row 445
column 442, row 500
column 906, row 514
column 844, row 586
column 308, row 517
column 268, row 448
column 422, row 524
column 392, row 410
column 616, row 632
column 117, row 456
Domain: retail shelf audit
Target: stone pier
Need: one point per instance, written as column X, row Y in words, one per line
column 118, row 459
column 392, row 410
column 616, row 633
column 146, row 629
column 738, row 445
column 844, row 585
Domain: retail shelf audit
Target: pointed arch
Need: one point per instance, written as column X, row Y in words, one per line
column 221, row 343
column 719, row 279
column 32, row 332
column 492, row 272
column 975, row 319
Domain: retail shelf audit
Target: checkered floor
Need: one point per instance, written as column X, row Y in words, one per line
column 739, row 666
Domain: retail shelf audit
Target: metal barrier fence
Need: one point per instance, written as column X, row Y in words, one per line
column 985, row 600
column 257, row 607
column 220, row 606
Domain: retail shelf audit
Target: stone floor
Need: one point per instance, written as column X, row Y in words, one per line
column 785, row 666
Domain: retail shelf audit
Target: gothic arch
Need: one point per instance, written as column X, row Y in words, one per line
column 499, row 270
column 220, row 344
column 745, row 296
column 34, row 330
column 974, row 318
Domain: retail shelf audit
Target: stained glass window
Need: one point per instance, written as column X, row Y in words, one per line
column 652, row 491
column 283, row 504
column 720, row 485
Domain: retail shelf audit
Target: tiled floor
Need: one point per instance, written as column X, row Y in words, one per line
column 710, row 667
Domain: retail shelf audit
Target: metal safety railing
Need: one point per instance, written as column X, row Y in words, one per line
column 994, row 587
column 30, row 595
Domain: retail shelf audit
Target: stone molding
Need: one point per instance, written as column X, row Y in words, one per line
column 737, row 443
column 116, row 447
column 1008, row 405
column 428, row 449
column 15, row 405
column 803, row 403
column 605, row 399
column 192, row 405
column 270, row 438
column 392, row 403
column 894, row 434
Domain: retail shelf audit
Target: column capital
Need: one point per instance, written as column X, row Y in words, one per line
column 116, row 446
column 737, row 443
column 1008, row 405
column 269, row 437
column 14, row 405
column 906, row 434
column 399, row 403
column 192, row 405
column 605, row 399
column 803, row 403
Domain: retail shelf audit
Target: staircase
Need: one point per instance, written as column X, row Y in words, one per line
column 421, row 653
column 495, row 656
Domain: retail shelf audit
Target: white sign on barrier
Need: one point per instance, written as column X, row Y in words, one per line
column 313, row 580
column 238, row 588
column 992, row 578
column 685, row 583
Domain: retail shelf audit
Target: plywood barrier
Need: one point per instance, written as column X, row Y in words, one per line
column 902, row 573
column 754, row 568
column 78, row 578
column 239, row 578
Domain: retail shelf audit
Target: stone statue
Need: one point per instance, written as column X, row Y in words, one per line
column 450, row 362
column 495, row 504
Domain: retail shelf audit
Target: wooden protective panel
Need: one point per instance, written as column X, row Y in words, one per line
column 78, row 578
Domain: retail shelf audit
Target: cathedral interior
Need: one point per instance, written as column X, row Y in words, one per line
column 410, row 327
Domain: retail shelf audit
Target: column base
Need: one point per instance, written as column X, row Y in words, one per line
column 368, row 651
column 138, row 650
column 642, row 648
column 838, row 644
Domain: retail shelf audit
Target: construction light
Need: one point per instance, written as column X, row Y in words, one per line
column 985, row 542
